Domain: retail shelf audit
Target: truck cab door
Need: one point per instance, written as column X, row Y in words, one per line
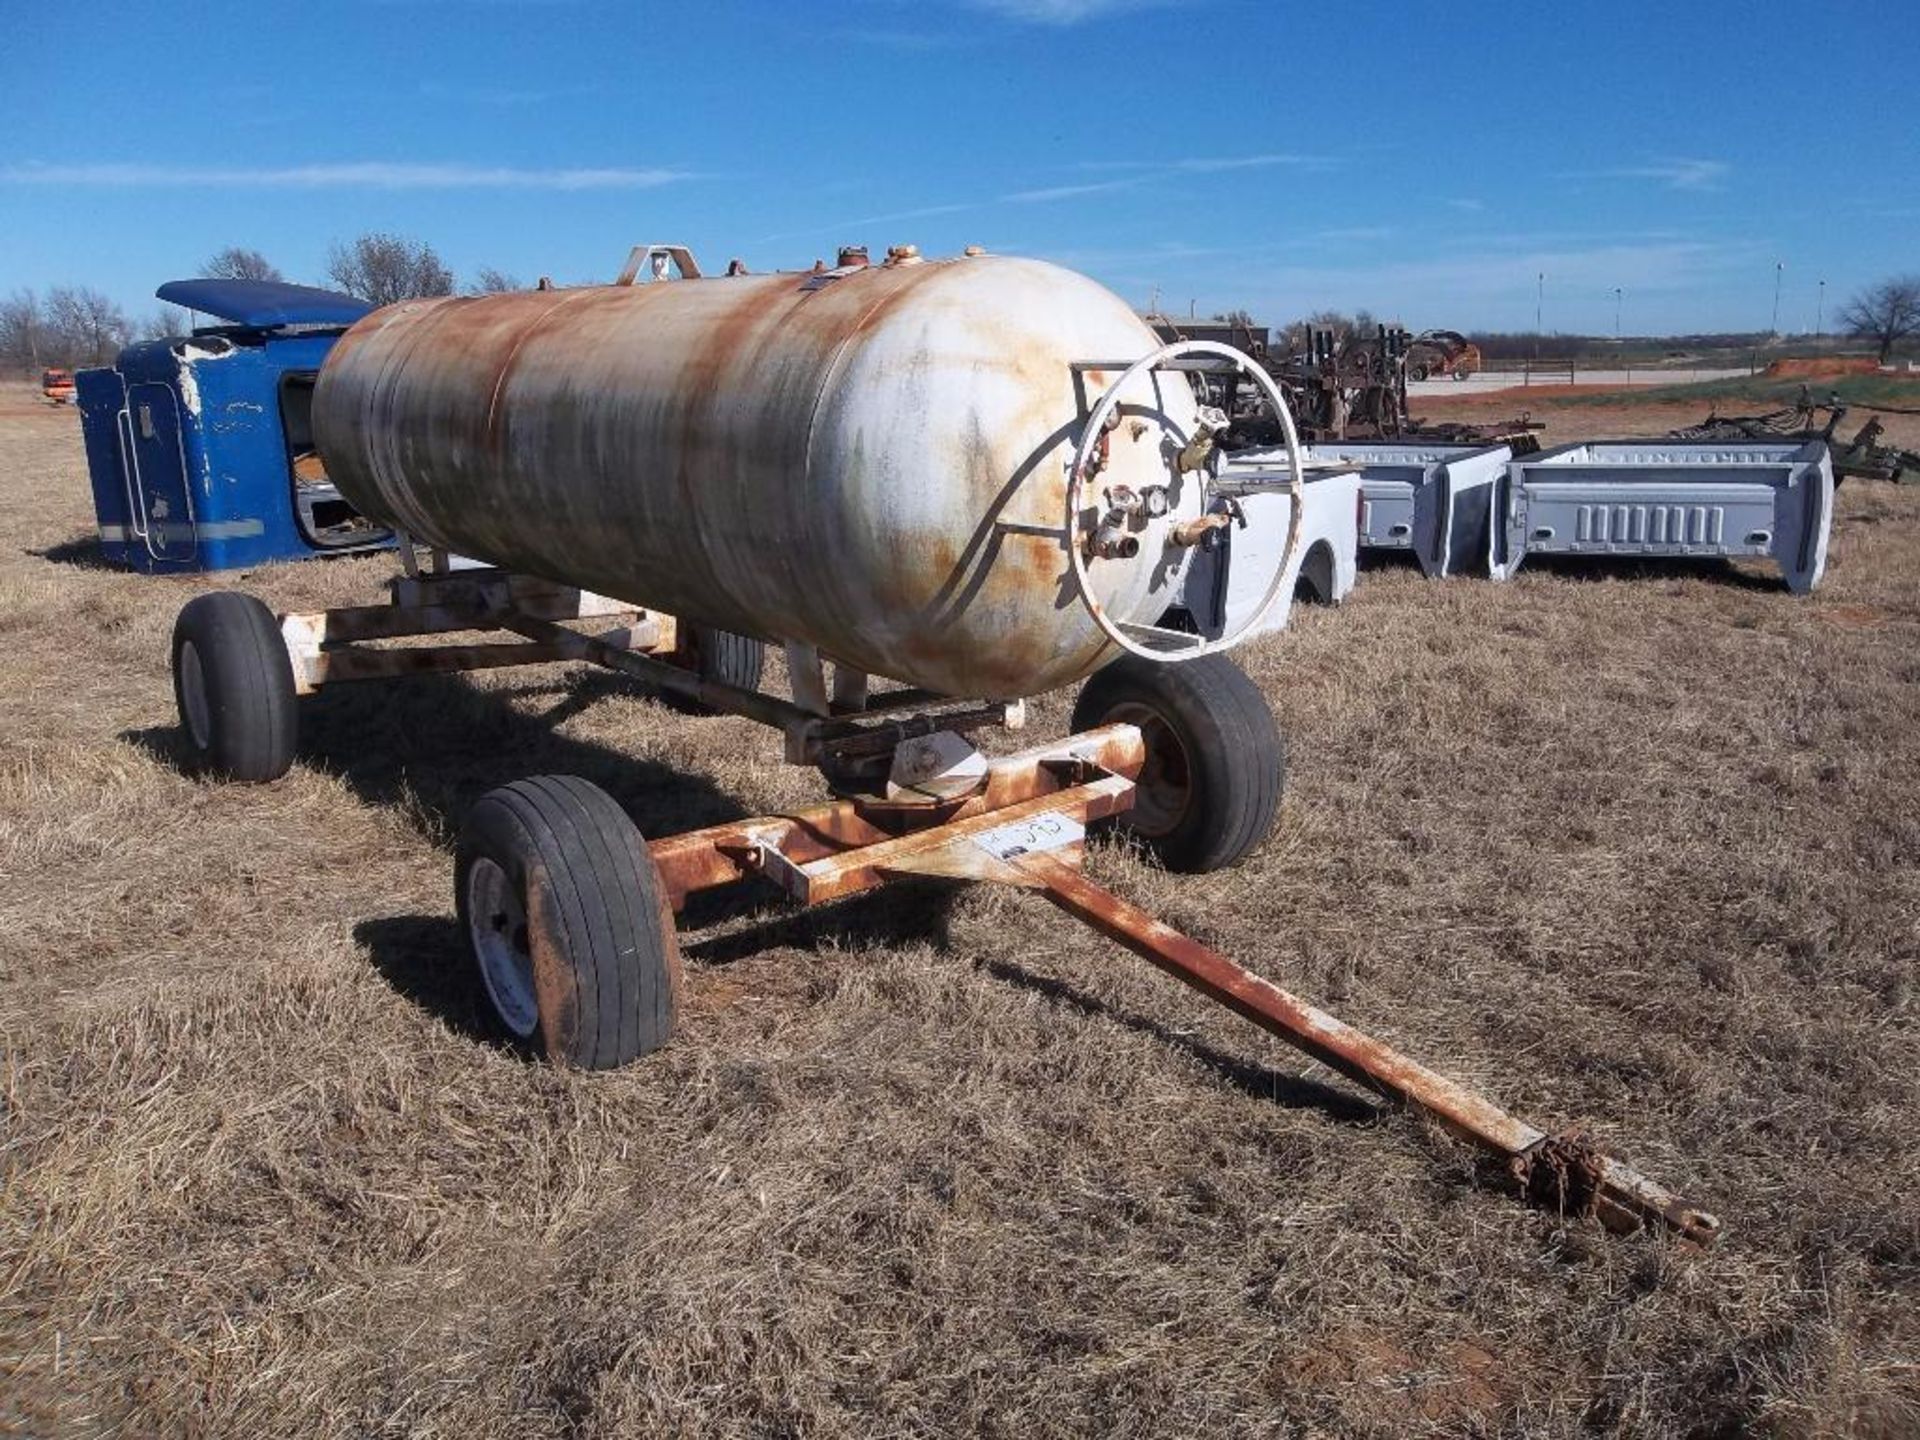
column 157, row 470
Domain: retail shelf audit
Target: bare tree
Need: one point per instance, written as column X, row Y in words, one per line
column 1886, row 313
column 388, row 268
column 167, row 321
column 1346, row 328
column 23, row 331
column 90, row 328
column 236, row 262
column 492, row 282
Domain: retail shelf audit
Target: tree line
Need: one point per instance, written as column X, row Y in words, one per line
column 70, row 326
column 1886, row 315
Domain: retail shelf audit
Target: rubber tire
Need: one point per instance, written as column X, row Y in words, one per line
column 607, row 967
column 252, row 719
column 737, row 660
column 1235, row 759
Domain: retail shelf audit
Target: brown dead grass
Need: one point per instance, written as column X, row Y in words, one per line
column 1631, row 850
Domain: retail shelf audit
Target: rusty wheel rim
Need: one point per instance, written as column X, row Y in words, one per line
column 1164, row 789
column 497, row 928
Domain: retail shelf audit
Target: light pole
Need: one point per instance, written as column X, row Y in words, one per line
column 1616, row 315
column 1820, row 313
column 1779, row 267
column 1539, row 304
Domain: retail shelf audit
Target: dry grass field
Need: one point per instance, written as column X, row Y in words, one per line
column 1633, row 850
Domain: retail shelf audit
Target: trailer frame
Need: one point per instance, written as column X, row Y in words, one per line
column 1022, row 821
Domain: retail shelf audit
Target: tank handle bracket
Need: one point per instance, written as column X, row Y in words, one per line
column 655, row 260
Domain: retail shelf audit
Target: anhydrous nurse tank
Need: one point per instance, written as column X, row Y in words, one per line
column 874, row 462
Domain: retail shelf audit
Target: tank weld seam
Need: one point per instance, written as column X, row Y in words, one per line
column 520, row 343
column 841, row 351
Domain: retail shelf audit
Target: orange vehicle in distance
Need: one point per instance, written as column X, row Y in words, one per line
column 57, row 386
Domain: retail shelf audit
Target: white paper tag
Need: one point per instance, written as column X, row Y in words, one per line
column 1030, row 837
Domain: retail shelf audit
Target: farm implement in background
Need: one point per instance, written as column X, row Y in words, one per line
column 1351, row 388
column 1863, row 456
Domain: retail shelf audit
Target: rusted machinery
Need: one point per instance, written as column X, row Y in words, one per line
column 954, row 484
column 1863, row 456
column 1434, row 353
column 1351, row 388
column 56, row 387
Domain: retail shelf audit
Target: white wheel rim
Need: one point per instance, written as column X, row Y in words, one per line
column 193, row 697
column 1077, row 485
column 497, row 930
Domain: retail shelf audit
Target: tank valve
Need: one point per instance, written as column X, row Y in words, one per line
column 1198, row 450
column 1195, row 532
column 1110, row 539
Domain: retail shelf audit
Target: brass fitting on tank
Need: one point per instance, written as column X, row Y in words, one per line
column 1197, row 452
column 1196, row 531
column 1111, row 539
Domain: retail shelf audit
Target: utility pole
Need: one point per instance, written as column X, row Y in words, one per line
column 1616, row 315
column 1539, row 305
column 1779, row 267
column 1820, row 313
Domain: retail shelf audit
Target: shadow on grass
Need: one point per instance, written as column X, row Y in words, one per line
column 425, row 959
column 433, row 745
column 903, row 913
column 1712, row 571
column 1295, row 1092
column 83, row 552
column 1385, row 562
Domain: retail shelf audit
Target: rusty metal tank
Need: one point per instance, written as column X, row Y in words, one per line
column 873, row 461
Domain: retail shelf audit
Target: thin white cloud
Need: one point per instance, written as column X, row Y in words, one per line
column 365, row 175
column 1467, row 203
column 1066, row 192
column 1212, row 164
column 1064, row 12
column 1674, row 172
column 1356, row 232
column 1044, row 196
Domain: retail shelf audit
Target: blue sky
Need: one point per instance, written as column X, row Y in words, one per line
column 1427, row 161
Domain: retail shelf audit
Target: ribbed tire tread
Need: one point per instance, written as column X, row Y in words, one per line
column 611, row 931
column 1237, row 759
column 253, row 722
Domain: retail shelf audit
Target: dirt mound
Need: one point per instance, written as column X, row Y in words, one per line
column 1809, row 366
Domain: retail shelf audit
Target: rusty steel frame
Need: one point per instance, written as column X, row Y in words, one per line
column 332, row 646
column 854, row 845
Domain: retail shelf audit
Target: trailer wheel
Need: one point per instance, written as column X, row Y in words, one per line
column 1215, row 763
column 568, row 922
column 721, row 655
column 233, row 686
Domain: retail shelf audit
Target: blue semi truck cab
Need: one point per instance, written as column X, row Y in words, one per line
column 200, row 447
